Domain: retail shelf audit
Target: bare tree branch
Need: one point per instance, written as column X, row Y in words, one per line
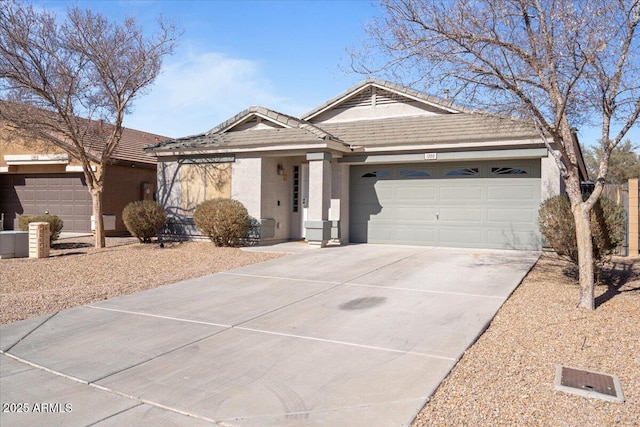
column 69, row 82
column 558, row 64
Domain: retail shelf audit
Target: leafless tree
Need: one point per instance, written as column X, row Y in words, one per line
column 559, row 64
column 70, row 82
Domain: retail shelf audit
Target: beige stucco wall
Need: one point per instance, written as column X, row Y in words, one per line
column 340, row 197
column 33, row 147
column 551, row 182
column 246, row 184
column 276, row 195
column 168, row 181
column 182, row 186
column 200, row 182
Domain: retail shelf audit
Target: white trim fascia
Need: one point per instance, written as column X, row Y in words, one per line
column 4, row 169
column 297, row 147
column 36, row 159
column 76, row 168
column 444, row 146
column 447, row 156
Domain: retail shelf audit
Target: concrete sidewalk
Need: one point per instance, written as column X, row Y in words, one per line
column 359, row 335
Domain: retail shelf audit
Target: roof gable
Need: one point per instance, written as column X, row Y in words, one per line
column 378, row 99
column 253, row 118
column 255, row 126
column 375, row 114
column 256, row 118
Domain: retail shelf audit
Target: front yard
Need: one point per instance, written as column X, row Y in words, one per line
column 505, row 378
column 77, row 274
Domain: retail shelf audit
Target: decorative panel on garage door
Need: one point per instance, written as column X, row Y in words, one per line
column 471, row 204
column 65, row 195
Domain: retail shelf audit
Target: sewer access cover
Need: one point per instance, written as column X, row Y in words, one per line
column 588, row 384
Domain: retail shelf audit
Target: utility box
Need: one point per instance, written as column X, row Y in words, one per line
column 39, row 240
column 108, row 222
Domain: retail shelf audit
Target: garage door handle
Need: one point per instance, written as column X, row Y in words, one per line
column 437, row 216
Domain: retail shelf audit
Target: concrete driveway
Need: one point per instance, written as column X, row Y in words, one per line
column 359, row 335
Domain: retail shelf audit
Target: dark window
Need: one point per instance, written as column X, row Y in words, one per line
column 377, row 174
column 508, row 171
column 463, row 172
column 296, row 187
column 413, row 173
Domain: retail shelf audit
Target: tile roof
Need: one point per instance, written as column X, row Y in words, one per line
column 252, row 138
column 457, row 124
column 414, row 130
column 130, row 148
column 446, row 128
column 295, row 131
column 284, row 119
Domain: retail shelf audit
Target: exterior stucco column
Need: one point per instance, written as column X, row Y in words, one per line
column 318, row 226
column 551, row 182
column 339, row 202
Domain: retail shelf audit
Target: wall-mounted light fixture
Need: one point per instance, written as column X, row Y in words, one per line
column 280, row 169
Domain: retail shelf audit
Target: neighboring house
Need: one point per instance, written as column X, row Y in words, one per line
column 380, row 163
column 36, row 177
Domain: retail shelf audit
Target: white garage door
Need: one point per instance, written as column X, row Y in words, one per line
column 471, row 204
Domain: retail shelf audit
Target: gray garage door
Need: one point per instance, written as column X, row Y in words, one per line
column 471, row 204
column 65, row 195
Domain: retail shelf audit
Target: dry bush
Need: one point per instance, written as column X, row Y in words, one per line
column 558, row 227
column 224, row 221
column 55, row 224
column 144, row 219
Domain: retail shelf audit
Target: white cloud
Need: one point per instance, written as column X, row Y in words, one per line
column 199, row 90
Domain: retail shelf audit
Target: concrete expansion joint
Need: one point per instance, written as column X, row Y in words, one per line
column 92, row 384
column 346, row 282
column 44, row 368
column 238, row 326
column 229, row 273
column 31, row 331
column 115, row 414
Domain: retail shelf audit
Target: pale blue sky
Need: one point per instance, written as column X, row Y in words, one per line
column 286, row 55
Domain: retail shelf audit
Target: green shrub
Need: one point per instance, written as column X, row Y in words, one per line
column 558, row 228
column 144, row 219
column 224, row 221
column 55, row 224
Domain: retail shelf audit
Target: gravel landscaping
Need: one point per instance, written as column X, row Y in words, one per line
column 77, row 274
column 505, row 378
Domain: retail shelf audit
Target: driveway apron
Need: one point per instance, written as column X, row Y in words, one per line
column 359, row 335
